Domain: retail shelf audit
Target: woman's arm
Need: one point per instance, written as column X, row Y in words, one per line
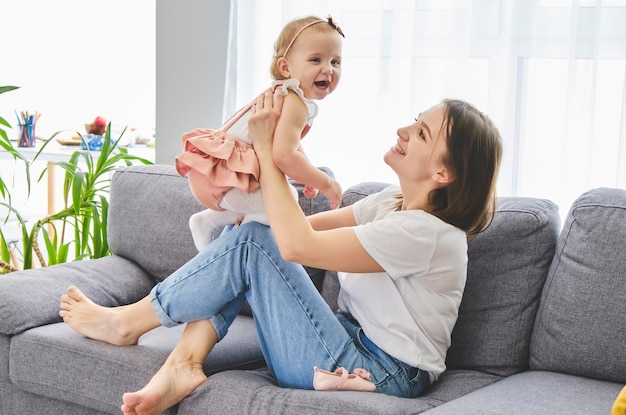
column 333, row 249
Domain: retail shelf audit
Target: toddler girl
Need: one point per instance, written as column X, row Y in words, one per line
column 222, row 166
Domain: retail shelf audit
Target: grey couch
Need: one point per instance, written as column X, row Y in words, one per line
column 541, row 330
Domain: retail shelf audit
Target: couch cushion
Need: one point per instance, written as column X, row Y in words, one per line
column 256, row 393
column 507, row 267
column 31, row 298
column 56, row 362
column 581, row 322
column 18, row 401
column 536, row 393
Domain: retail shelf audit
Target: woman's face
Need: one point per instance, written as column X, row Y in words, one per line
column 418, row 154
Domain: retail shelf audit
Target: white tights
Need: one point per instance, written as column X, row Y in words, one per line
column 240, row 207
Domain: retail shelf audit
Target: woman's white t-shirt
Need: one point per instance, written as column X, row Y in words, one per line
column 409, row 310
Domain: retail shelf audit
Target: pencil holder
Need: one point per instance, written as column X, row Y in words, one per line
column 27, row 135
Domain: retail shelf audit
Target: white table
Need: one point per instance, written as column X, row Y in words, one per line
column 56, row 152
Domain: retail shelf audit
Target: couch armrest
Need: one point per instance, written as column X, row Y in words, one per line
column 31, row 298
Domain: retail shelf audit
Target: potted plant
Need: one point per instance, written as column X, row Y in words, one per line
column 79, row 229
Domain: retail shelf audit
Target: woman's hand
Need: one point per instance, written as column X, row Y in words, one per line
column 263, row 119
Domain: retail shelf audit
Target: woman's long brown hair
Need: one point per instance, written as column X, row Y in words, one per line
column 474, row 154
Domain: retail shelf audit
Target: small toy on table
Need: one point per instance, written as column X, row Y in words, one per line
column 95, row 134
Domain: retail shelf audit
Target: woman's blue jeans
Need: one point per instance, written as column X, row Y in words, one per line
column 297, row 329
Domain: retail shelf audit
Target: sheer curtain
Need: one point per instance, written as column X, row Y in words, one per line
column 550, row 73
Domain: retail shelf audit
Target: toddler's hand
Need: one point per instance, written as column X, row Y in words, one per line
column 333, row 193
column 310, row 192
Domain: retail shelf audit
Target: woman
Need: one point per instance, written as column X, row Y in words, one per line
column 401, row 253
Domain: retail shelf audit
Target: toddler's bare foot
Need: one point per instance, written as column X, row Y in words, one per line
column 92, row 320
column 171, row 384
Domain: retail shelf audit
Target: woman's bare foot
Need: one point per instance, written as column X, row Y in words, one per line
column 94, row 321
column 171, row 384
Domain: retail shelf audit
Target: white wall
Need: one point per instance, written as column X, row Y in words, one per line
column 76, row 59
column 191, row 41
column 144, row 64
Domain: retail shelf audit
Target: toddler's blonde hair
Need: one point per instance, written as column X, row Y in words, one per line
column 291, row 31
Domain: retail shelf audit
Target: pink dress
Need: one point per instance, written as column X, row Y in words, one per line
column 219, row 160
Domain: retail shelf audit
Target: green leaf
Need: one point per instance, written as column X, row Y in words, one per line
column 51, row 248
column 4, row 122
column 4, row 89
column 103, row 226
column 85, row 233
column 4, row 248
column 28, row 240
column 8, row 147
column 97, row 235
column 63, row 252
column 77, row 191
column 5, row 192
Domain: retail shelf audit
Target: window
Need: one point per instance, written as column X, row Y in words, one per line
column 549, row 73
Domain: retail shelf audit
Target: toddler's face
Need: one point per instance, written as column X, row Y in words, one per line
column 315, row 60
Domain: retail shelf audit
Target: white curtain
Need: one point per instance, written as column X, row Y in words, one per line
column 550, row 73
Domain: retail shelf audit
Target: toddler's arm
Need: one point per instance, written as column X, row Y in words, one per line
column 289, row 157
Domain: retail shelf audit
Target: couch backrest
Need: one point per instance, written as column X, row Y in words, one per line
column 507, row 268
column 149, row 212
column 581, row 322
